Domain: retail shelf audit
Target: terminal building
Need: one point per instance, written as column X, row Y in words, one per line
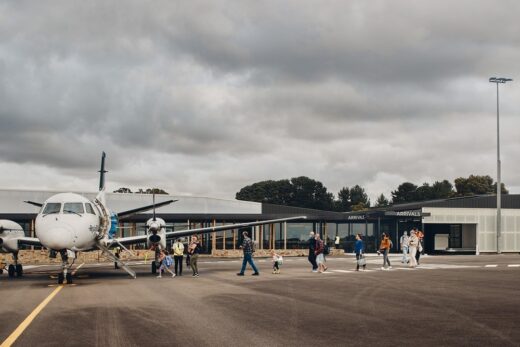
column 457, row 225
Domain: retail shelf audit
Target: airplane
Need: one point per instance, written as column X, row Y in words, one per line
column 68, row 223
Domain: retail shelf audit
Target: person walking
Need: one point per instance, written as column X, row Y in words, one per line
column 336, row 242
column 178, row 255
column 194, row 250
column 320, row 259
column 384, row 248
column 248, row 248
column 360, row 257
column 413, row 242
column 404, row 242
column 166, row 263
column 420, row 247
column 312, row 253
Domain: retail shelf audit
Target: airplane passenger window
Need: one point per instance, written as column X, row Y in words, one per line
column 52, row 207
column 73, row 207
column 89, row 208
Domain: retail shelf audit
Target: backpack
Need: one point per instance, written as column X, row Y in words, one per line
column 326, row 250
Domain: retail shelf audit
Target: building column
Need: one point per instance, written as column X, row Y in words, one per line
column 284, row 235
column 213, row 238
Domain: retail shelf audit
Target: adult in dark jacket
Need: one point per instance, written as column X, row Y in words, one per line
column 248, row 248
column 312, row 254
column 360, row 248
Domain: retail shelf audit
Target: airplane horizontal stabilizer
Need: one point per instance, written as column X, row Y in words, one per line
column 126, row 214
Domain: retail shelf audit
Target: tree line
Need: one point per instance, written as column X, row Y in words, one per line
column 308, row 193
column 141, row 191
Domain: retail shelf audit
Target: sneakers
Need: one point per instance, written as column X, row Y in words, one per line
column 314, row 270
column 389, row 267
column 159, row 276
column 240, row 274
column 173, row 275
column 256, row 274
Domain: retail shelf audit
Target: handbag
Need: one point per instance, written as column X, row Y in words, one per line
column 362, row 261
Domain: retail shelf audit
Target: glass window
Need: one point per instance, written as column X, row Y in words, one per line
column 52, row 207
column 73, row 207
column 298, row 235
column 89, row 208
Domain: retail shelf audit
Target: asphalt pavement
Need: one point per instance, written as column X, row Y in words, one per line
column 447, row 301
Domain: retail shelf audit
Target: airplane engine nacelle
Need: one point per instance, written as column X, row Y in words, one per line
column 9, row 245
column 156, row 233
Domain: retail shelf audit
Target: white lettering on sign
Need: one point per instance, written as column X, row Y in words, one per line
column 356, row 217
column 408, row 213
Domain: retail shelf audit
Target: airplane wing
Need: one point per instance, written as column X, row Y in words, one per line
column 126, row 214
column 29, row 241
column 173, row 234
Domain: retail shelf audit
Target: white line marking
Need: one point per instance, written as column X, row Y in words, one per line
column 491, row 266
column 342, row 271
column 513, row 265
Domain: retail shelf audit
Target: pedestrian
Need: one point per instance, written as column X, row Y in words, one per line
column 117, row 253
column 312, row 254
column 420, row 246
column 194, row 250
column 336, row 242
column 277, row 261
column 320, row 259
column 384, row 248
column 166, row 263
column 248, row 248
column 413, row 242
column 360, row 257
column 404, row 242
column 178, row 255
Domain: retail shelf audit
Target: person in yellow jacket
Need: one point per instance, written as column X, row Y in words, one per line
column 384, row 248
column 178, row 254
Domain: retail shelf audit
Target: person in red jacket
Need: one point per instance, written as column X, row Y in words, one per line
column 384, row 248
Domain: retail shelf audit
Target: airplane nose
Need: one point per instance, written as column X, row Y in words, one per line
column 57, row 238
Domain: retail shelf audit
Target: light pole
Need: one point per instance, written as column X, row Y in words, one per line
column 497, row 81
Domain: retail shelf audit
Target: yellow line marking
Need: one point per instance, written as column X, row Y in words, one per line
column 76, row 269
column 21, row 328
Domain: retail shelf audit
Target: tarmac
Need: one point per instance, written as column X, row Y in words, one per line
column 447, row 301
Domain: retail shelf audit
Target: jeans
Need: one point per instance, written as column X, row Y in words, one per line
column 312, row 260
column 359, row 256
column 248, row 258
column 178, row 264
column 405, row 252
column 385, row 258
column 276, row 266
column 193, row 264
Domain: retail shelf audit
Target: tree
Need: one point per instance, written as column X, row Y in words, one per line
column 151, row 191
column 359, row 197
column 311, row 194
column 123, row 190
column 343, row 204
column 442, row 190
column 273, row 192
column 477, row 185
column 406, row 192
column 382, row 201
column 298, row 191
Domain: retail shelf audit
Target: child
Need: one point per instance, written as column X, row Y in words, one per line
column 277, row 261
column 166, row 262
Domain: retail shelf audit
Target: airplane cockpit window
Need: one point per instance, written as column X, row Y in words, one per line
column 89, row 208
column 52, row 207
column 73, row 207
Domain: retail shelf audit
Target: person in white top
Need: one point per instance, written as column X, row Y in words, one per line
column 413, row 242
column 405, row 243
column 277, row 261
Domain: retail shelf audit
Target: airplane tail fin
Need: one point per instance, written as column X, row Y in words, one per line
column 102, row 172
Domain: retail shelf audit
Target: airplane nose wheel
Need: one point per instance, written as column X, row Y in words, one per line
column 61, row 277
column 11, row 270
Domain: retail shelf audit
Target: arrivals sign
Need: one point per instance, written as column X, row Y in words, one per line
column 409, row 213
column 356, row 217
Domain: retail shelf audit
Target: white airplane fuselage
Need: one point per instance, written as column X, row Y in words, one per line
column 69, row 221
column 9, row 232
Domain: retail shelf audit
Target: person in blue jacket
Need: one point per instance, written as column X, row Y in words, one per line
column 360, row 247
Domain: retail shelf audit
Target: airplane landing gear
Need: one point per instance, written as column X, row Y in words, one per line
column 15, row 269
column 64, row 275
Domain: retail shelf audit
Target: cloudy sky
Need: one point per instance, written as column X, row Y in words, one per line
column 205, row 97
